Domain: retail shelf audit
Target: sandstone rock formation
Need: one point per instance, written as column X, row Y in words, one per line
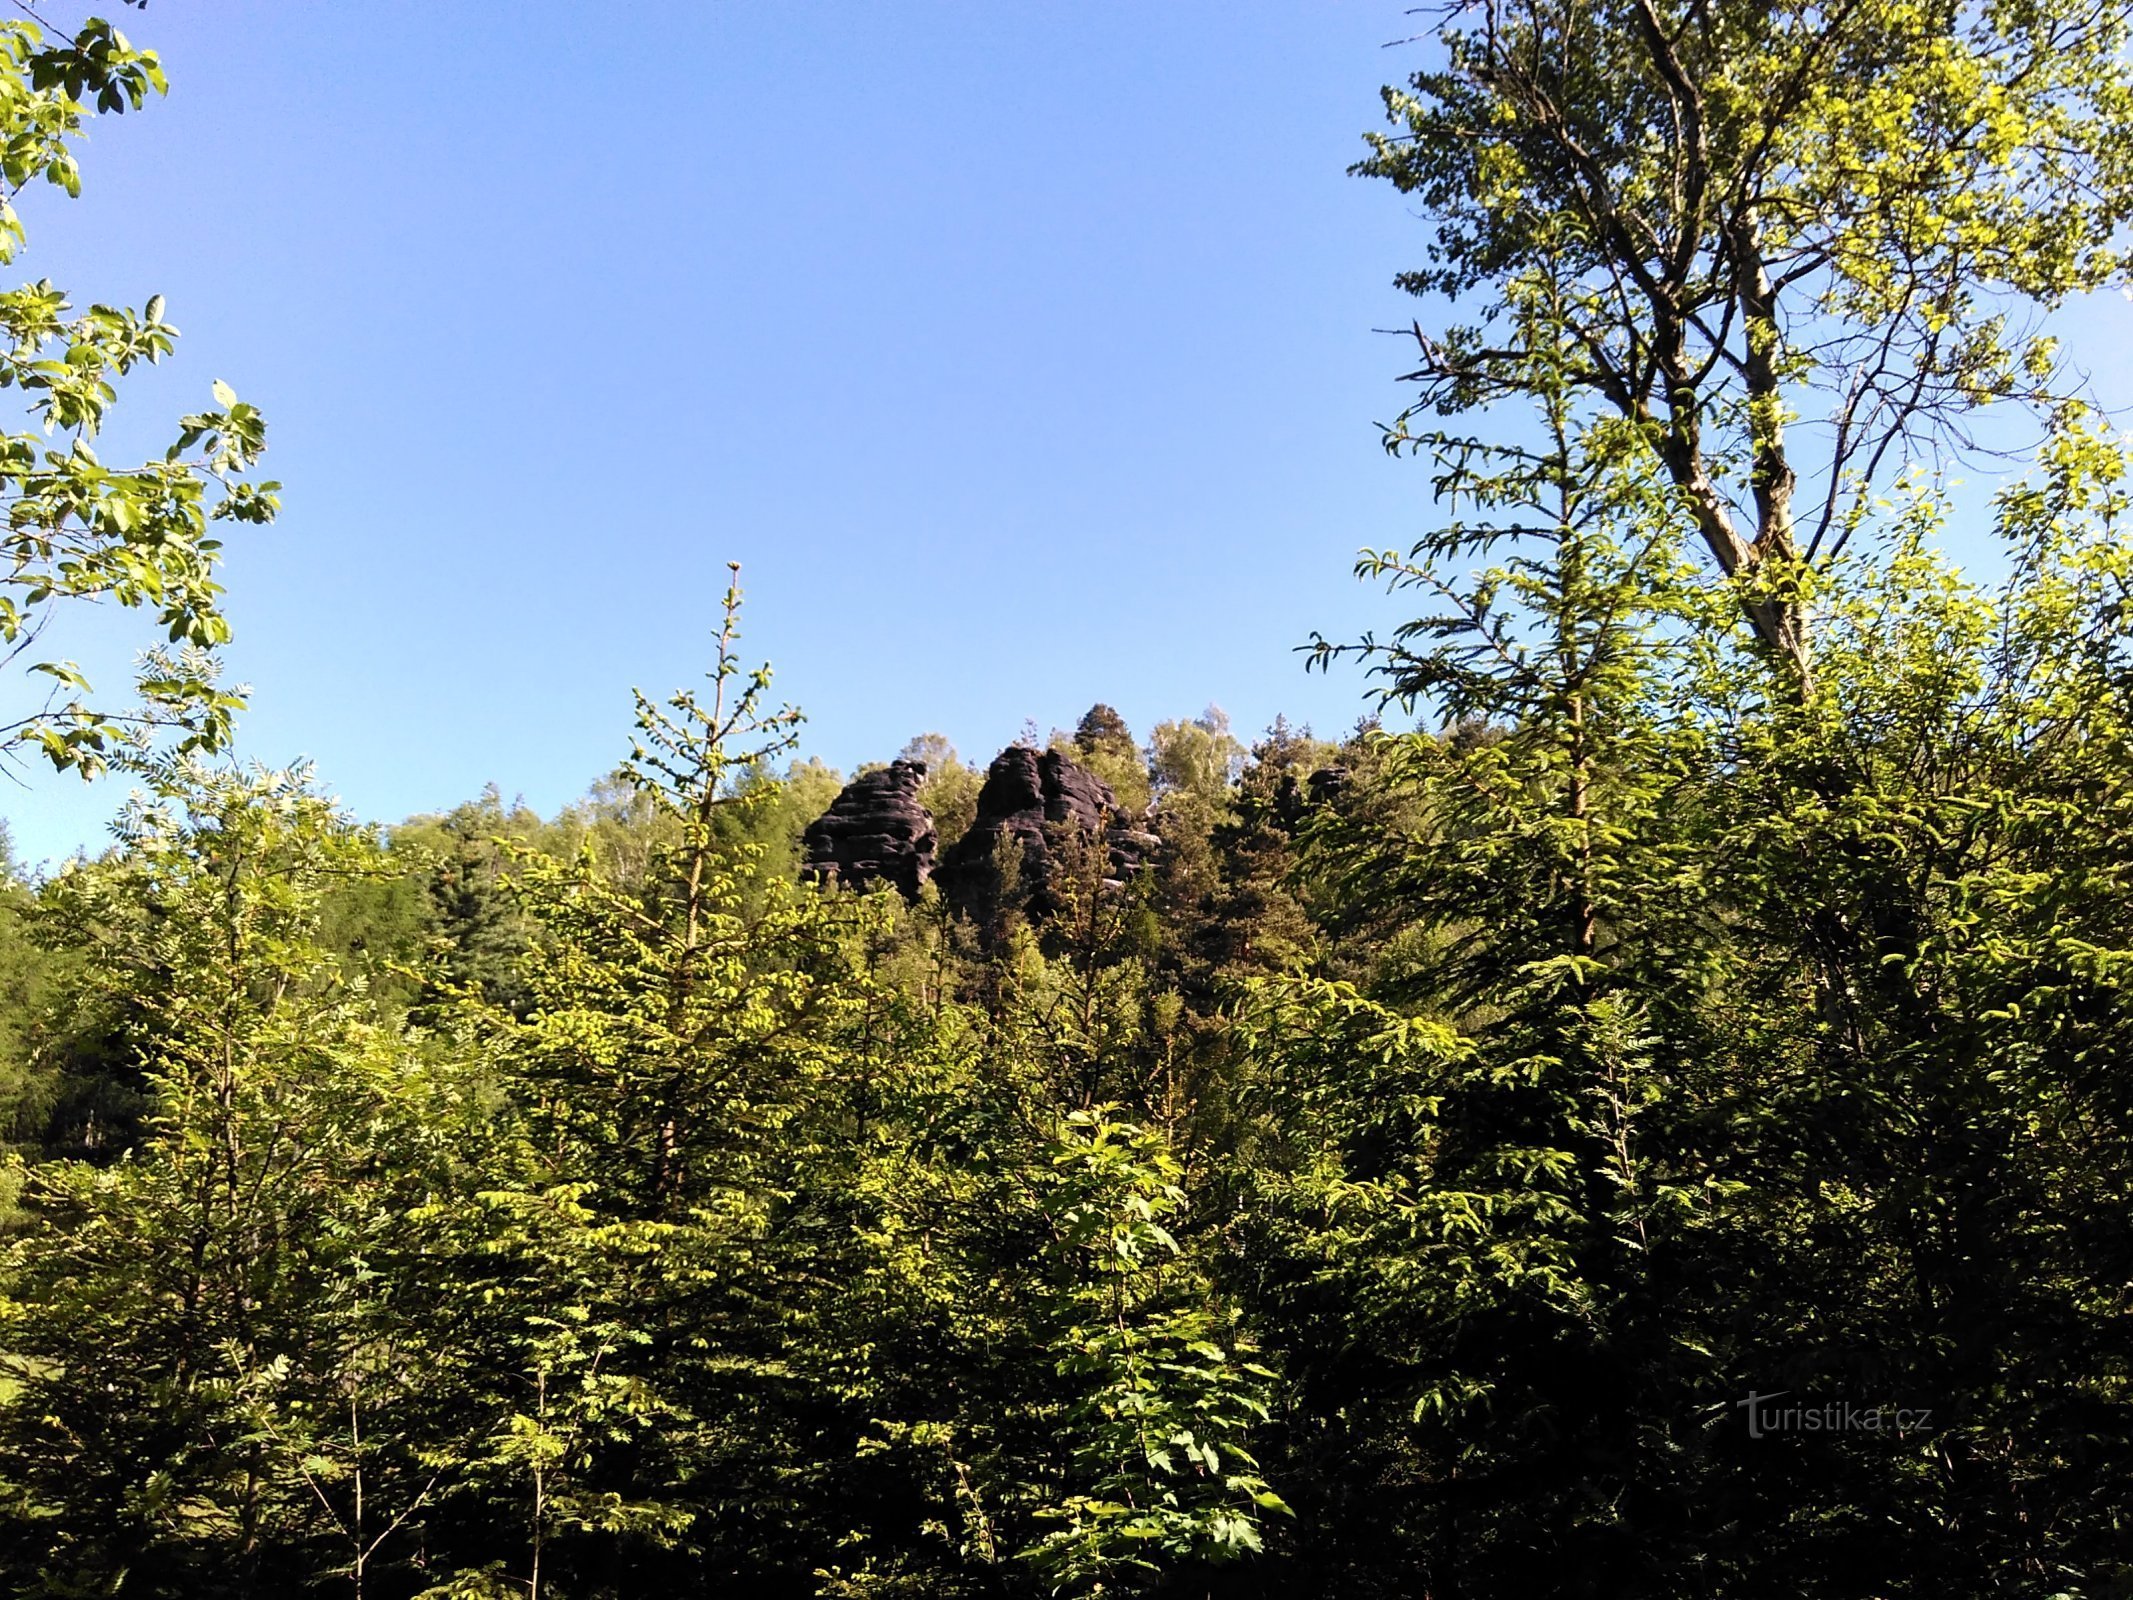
column 875, row 831
column 1293, row 801
column 1030, row 796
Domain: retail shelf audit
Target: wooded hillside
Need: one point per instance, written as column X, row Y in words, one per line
column 1644, row 1113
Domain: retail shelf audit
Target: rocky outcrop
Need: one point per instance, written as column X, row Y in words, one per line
column 875, row 831
column 1294, row 801
column 1031, row 796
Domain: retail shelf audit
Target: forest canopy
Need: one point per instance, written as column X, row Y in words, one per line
column 1645, row 1113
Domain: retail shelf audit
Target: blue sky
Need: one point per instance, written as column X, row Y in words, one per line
column 1022, row 353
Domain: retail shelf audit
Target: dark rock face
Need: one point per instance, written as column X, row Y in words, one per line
column 1030, row 796
column 1293, row 801
column 875, row 831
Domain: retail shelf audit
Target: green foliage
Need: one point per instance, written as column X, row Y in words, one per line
column 1720, row 991
column 1754, row 215
column 1200, row 757
column 78, row 530
column 1161, row 1426
column 1666, row 1083
column 950, row 791
column 190, row 1331
column 30, row 1083
column 648, row 995
column 1441, row 1138
column 1102, row 743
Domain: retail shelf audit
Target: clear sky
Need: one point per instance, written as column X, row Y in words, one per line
column 1021, row 352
